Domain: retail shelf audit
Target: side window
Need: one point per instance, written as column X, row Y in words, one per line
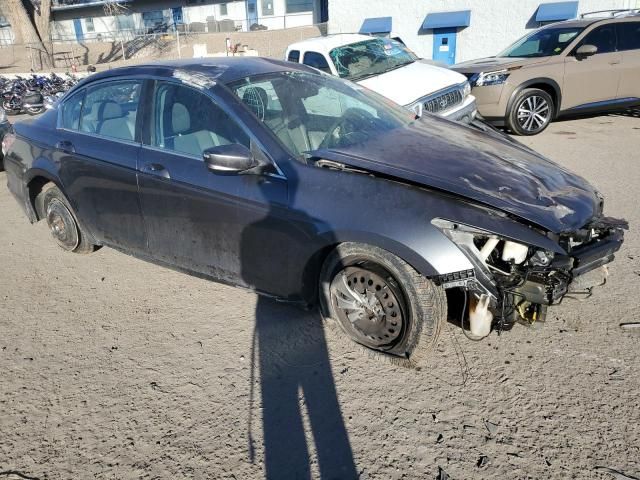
column 110, row 109
column 71, row 109
column 316, row 60
column 294, row 56
column 628, row 35
column 604, row 38
column 187, row 121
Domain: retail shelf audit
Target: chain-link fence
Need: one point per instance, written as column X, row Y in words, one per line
column 115, row 49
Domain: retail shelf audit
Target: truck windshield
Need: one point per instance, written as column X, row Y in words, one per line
column 370, row 57
column 544, row 42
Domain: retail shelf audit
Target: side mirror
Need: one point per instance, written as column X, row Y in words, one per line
column 586, row 51
column 234, row 158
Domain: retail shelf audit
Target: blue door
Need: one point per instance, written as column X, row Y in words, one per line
column 77, row 26
column 176, row 12
column 252, row 13
column 444, row 45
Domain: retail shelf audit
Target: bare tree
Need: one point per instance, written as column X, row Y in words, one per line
column 114, row 7
column 31, row 29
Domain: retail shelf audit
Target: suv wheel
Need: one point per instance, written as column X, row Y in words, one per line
column 531, row 112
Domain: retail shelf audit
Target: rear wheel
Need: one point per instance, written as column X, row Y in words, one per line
column 531, row 112
column 382, row 303
column 53, row 206
column 35, row 110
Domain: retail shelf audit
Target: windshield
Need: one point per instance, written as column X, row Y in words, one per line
column 309, row 112
column 370, row 57
column 545, row 42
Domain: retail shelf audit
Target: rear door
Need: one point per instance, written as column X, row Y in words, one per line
column 629, row 47
column 97, row 150
column 593, row 79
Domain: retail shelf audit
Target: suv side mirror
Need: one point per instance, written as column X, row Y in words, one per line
column 586, row 51
column 233, row 158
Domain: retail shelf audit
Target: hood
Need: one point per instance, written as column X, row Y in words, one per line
column 460, row 160
column 490, row 64
column 407, row 84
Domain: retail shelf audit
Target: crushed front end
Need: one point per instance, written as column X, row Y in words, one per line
column 513, row 282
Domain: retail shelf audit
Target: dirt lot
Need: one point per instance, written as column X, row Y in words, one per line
column 113, row 368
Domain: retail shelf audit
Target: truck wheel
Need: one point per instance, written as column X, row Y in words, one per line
column 53, row 206
column 380, row 302
column 531, row 112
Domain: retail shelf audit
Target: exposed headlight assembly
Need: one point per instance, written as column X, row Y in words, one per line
column 491, row 78
column 3, row 115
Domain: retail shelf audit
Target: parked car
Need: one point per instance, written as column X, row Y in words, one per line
column 389, row 68
column 5, row 127
column 313, row 190
column 566, row 68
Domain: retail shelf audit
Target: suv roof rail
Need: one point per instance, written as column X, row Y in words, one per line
column 614, row 13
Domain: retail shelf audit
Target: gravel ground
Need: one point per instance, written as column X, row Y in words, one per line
column 113, row 368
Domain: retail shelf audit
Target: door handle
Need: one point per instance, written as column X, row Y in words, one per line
column 156, row 169
column 66, row 146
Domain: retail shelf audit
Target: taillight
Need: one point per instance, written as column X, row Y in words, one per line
column 7, row 141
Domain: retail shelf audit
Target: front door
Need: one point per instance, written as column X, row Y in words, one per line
column 444, row 45
column 594, row 79
column 197, row 219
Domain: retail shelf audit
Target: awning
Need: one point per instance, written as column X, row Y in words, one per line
column 554, row 12
column 447, row 20
column 376, row 25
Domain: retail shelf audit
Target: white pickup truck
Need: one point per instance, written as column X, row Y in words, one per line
column 389, row 68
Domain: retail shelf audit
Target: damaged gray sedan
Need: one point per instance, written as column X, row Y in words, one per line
column 313, row 190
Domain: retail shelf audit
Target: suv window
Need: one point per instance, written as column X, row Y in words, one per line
column 110, row 109
column 71, row 111
column 187, row 121
column 294, row 56
column 316, row 60
column 603, row 37
column 628, row 35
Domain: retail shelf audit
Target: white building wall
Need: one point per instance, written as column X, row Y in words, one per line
column 494, row 23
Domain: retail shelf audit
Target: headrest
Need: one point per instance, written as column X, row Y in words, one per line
column 180, row 118
column 256, row 99
column 111, row 110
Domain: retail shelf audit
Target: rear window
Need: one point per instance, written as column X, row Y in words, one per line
column 628, row 36
column 294, row 56
column 316, row 60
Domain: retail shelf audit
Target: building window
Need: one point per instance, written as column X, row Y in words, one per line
column 223, row 9
column 296, row 6
column 88, row 23
column 267, row 7
column 125, row 22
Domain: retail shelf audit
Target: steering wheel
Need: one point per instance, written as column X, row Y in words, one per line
column 352, row 122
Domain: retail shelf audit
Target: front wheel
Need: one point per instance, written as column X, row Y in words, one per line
column 382, row 303
column 531, row 112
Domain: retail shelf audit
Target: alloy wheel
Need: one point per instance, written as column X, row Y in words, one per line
column 534, row 113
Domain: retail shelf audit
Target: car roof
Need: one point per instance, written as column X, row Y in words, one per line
column 329, row 42
column 585, row 22
column 218, row 69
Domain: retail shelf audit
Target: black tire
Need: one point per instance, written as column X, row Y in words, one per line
column 422, row 305
column 54, row 208
column 531, row 112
